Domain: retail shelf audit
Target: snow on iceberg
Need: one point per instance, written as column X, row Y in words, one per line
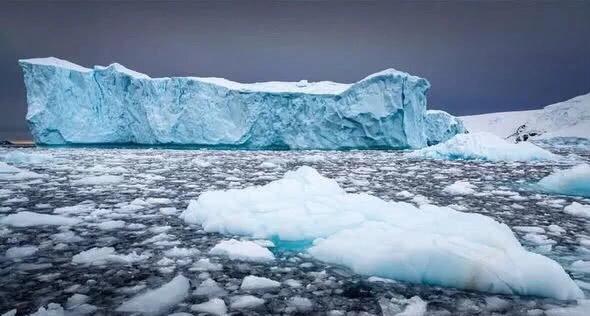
column 483, row 146
column 574, row 181
column 71, row 104
column 388, row 239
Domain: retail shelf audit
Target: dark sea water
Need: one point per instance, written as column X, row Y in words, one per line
column 165, row 180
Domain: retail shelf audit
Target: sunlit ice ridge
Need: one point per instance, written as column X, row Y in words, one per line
column 72, row 105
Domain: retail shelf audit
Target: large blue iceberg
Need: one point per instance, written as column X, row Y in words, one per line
column 71, row 104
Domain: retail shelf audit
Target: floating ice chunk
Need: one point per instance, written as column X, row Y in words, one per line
column 110, row 225
column 387, row 239
column 269, row 165
column 530, row 229
column 404, row 194
column 415, row 307
column 206, row 265
column 460, row 188
column 556, row 229
column 81, row 208
column 538, row 239
column 210, row 288
column 98, row 180
column 106, row 169
column 159, row 300
column 312, row 158
column 21, row 157
column 582, row 309
column 293, row 283
column 158, row 201
column 169, row 211
column 496, row 304
column 214, row 306
column 245, row 301
column 483, row 146
column 104, row 255
column 10, row 173
column 51, row 310
column 581, row 265
column 252, row 282
column 27, row 219
column 11, row 312
column 574, row 181
column 300, row 304
column 242, row 250
column 181, row 252
column 75, row 300
column 578, row 209
column 21, row 252
column 6, row 168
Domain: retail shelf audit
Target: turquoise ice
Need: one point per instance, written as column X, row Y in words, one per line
column 71, row 104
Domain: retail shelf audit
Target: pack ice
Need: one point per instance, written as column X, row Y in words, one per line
column 427, row 244
column 71, row 104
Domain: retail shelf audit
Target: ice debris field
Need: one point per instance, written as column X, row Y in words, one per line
column 462, row 228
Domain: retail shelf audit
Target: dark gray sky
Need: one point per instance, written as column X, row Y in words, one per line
column 479, row 56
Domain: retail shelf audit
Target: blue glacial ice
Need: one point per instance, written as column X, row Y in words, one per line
column 483, row 146
column 71, row 104
column 574, row 181
column 441, row 126
column 427, row 244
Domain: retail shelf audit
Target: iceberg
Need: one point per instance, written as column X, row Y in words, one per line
column 71, row 104
column 427, row 244
column 441, row 126
column 483, row 146
column 574, row 181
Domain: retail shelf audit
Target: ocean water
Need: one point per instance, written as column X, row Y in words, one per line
column 130, row 199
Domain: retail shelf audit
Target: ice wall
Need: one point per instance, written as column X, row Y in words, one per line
column 71, row 104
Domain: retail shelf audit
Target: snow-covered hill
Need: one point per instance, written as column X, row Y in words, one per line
column 570, row 118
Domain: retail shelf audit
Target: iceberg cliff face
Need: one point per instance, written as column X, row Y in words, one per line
column 70, row 104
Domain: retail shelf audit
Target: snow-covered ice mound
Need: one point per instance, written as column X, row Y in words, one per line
column 430, row 244
column 574, row 181
column 483, row 146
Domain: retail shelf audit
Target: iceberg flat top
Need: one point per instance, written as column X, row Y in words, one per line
column 302, row 86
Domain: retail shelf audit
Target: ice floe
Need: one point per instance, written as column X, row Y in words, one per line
column 157, row 301
column 483, row 146
column 253, row 282
column 574, row 181
column 27, row 219
column 426, row 244
column 104, row 255
column 242, row 250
